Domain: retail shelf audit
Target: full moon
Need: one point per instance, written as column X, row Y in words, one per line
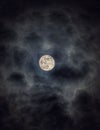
column 47, row 62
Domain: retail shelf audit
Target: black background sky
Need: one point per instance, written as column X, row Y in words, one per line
column 65, row 98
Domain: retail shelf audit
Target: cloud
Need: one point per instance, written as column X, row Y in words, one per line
column 32, row 99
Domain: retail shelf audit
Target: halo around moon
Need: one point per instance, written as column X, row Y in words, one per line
column 46, row 62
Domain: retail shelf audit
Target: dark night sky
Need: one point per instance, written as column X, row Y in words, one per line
column 65, row 98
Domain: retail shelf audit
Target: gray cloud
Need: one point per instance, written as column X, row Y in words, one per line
column 66, row 97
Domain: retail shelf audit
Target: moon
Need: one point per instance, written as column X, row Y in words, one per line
column 47, row 62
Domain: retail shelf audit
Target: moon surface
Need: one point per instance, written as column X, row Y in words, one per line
column 47, row 62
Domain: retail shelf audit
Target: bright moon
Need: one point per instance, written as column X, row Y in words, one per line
column 47, row 62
